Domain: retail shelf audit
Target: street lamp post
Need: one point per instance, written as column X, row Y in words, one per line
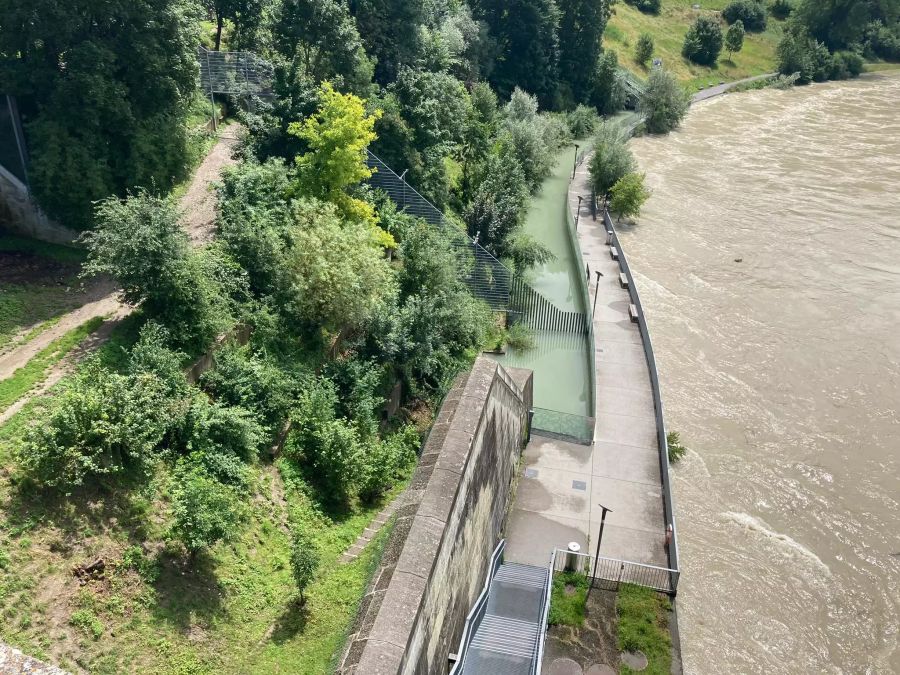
column 596, row 293
column 599, row 539
column 578, row 212
column 575, row 163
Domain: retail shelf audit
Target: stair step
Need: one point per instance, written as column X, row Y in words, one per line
column 524, row 575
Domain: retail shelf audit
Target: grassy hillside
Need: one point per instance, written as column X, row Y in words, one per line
column 668, row 30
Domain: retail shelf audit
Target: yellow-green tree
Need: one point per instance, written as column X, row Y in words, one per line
column 337, row 135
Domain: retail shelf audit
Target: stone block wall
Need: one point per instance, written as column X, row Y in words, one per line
column 435, row 561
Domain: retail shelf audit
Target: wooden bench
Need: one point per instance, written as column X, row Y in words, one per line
column 633, row 313
column 613, row 252
column 623, row 280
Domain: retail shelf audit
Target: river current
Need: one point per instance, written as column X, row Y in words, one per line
column 768, row 261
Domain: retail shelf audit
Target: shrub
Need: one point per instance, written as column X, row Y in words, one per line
column 520, row 336
column 675, row 448
column 102, row 425
column 140, row 243
column 384, row 462
column 628, row 195
column 781, row 9
column 251, row 381
column 703, row 41
column 329, row 446
column 611, row 158
column 663, row 102
column 582, row 121
column 845, row 65
column 304, row 560
column 87, row 621
column 751, row 12
column 643, row 49
column 204, row 510
column 646, row 6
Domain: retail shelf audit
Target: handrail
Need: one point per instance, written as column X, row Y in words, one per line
column 644, row 573
column 477, row 612
column 548, row 592
column 668, row 502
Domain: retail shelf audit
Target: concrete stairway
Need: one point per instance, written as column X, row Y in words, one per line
column 506, row 640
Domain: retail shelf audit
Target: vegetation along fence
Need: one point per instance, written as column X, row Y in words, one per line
column 487, row 277
column 612, row 572
column 668, row 504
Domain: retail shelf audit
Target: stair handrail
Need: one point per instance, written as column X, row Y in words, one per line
column 545, row 613
column 473, row 619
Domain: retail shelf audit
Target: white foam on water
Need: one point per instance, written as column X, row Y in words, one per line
column 783, row 542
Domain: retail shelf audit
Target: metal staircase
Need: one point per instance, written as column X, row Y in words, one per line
column 504, row 631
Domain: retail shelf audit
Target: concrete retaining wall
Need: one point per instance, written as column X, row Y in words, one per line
column 433, row 567
column 20, row 215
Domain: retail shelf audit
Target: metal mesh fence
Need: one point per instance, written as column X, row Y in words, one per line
column 487, row 278
column 236, row 73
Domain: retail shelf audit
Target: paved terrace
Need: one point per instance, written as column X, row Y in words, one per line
column 558, row 498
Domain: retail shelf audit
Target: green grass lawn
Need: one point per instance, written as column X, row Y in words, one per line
column 34, row 372
column 233, row 611
column 668, row 30
column 644, row 625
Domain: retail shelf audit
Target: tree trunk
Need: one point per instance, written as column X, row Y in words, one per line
column 219, row 22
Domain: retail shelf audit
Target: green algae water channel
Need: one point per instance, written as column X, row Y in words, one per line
column 560, row 361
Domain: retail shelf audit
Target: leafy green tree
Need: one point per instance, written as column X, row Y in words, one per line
column 663, row 102
column 139, row 242
column 643, row 49
column 104, row 89
column 611, row 159
column 751, row 13
column 734, row 38
column 703, row 41
column 628, row 196
column 204, row 511
column 500, row 202
column 646, row 6
column 337, row 272
column 582, row 121
column 781, row 9
column 337, row 136
column 321, row 38
column 840, row 24
column 304, row 560
column 244, row 14
column 526, row 38
column 799, row 53
column 581, row 27
column 608, row 93
column 390, row 32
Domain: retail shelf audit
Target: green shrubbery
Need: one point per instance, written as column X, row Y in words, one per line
column 663, row 102
column 781, row 9
column 752, row 13
column 703, row 41
column 648, row 6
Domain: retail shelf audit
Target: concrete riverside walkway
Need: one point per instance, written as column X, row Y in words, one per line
column 563, row 484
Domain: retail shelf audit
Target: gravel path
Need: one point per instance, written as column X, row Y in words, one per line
column 198, row 206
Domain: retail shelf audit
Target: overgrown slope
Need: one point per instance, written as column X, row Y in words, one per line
column 668, row 30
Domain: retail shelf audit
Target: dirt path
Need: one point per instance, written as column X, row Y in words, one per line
column 198, row 206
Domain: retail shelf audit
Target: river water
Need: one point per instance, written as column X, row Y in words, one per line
column 782, row 372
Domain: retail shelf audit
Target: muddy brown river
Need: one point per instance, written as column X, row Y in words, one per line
column 782, row 372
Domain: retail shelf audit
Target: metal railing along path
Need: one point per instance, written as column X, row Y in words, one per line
column 476, row 614
column 662, row 442
column 662, row 579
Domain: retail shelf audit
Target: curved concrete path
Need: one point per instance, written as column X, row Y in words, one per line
column 559, row 496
